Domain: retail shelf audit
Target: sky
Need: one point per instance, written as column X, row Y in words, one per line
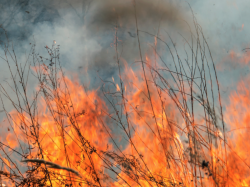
column 85, row 29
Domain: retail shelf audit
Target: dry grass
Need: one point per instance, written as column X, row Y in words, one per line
column 151, row 111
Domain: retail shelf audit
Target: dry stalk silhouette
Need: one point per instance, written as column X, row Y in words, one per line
column 167, row 129
column 50, row 165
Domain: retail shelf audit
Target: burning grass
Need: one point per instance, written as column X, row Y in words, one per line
column 155, row 126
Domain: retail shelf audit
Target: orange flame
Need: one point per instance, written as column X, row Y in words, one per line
column 58, row 131
column 237, row 117
column 71, row 130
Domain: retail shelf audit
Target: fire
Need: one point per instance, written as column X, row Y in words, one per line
column 118, row 88
column 145, row 131
column 155, row 134
column 72, row 134
column 234, row 59
column 237, row 117
column 60, row 120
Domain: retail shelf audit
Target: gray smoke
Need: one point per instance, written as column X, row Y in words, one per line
column 150, row 14
column 154, row 17
column 85, row 29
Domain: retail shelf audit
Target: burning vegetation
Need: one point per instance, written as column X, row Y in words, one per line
column 161, row 123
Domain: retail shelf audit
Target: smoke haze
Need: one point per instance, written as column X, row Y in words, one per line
column 85, row 30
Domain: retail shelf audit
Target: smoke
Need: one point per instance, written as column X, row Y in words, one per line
column 116, row 18
column 85, row 31
column 150, row 14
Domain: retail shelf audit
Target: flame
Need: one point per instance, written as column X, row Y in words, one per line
column 234, row 59
column 72, row 129
column 155, row 134
column 237, row 117
column 242, row 26
column 59, row 137
column 118, row 88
